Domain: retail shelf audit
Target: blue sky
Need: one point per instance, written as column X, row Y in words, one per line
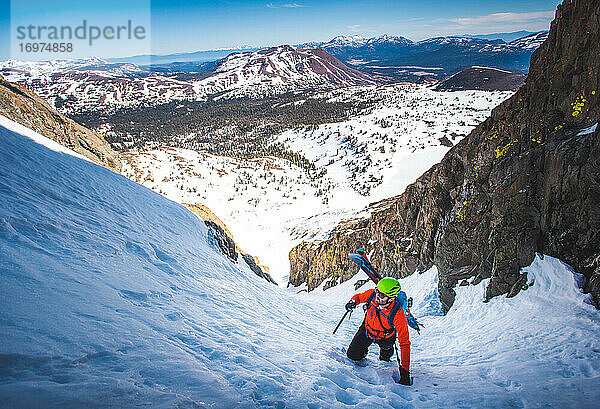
column 187, row 25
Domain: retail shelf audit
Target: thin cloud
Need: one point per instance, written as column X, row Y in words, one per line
column 504, row 18
column 355, row 27
column 286, row 5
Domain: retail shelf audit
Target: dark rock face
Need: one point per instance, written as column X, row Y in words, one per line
column 26, row 108
column 526, row 180
column 482, row 79
column 256, row 268
column 218, row 237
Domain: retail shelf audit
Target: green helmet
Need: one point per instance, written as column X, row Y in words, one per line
column 389, row 286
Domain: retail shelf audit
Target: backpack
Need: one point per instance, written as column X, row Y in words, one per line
column 401, row 302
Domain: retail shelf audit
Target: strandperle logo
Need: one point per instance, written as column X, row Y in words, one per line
column 84, row 31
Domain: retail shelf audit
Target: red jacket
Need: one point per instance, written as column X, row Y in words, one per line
column 378, row 326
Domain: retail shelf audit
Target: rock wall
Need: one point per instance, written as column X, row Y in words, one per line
column 526, row 180
column 26, row 108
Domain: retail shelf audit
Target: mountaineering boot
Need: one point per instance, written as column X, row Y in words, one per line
column 385, row 354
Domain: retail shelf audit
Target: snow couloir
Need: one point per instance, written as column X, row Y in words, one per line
column 112, row 296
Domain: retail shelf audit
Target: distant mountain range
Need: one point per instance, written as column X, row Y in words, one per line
column 435, row 58
column 393, row 57
column 502, row 36
column 91, row 84
column 217, row 54
column 196, row 56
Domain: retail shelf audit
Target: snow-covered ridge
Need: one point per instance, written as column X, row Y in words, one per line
column 452, row 40
column 114, row 297
column 18, row 71
column 354, row 40
column 280, row 69
column 532, row 41
column 94, row 84
column 490, row 68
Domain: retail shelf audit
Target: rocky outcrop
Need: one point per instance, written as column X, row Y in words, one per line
column 26, row 108
column 221, row 237
column 252, row 263
column 224, row 242
column 526, row 180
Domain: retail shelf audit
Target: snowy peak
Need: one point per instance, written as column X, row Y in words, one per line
column 396, row 40
column 281, row 69
column 356, row 41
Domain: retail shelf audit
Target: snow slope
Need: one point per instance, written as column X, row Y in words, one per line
column 112, row 296
column 537, row 350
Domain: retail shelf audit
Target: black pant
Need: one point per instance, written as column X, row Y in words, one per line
column 359, row 347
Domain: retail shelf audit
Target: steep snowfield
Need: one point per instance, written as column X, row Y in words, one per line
column 112, row 296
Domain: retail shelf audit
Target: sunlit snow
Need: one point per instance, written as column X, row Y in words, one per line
column 270, row 205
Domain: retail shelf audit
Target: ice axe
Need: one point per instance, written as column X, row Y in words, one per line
column 344, row 316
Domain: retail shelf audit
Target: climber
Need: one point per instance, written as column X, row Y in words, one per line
column 381, row 311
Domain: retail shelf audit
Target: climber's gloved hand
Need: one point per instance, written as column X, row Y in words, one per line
column 350, row 305
column 405, row 378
